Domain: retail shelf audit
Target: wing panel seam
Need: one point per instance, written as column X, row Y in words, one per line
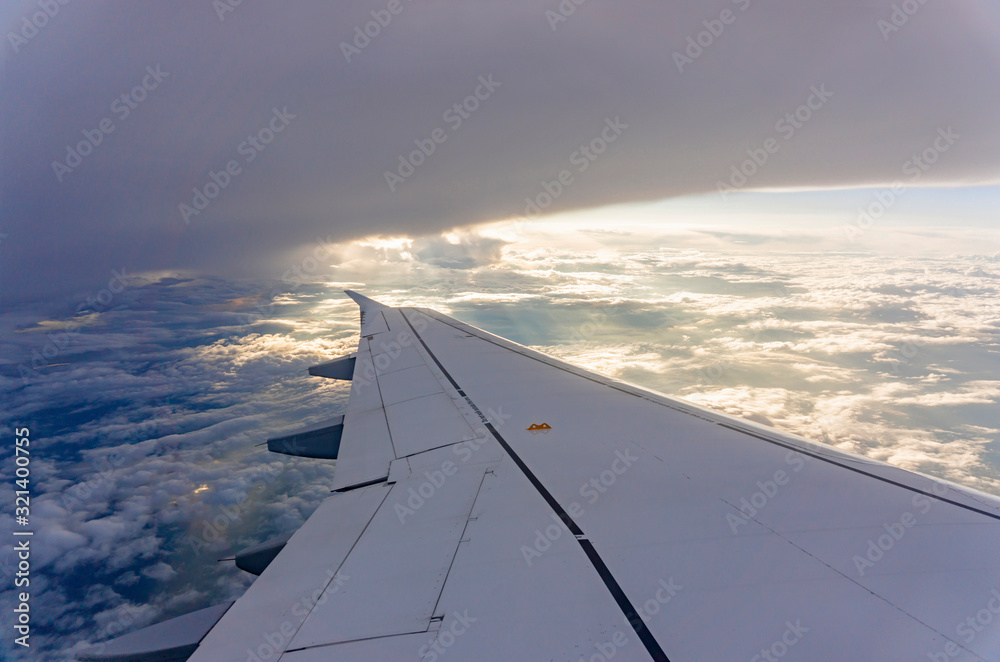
column 722, row 423
column 342, row 562
column 385, row 414
column 461, row 537
column 904, row 486
column 629, row 611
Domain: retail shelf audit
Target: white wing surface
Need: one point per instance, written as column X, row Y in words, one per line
column 494, row 503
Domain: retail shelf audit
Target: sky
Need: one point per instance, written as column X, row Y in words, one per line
column 782, row 210
column 675, row 97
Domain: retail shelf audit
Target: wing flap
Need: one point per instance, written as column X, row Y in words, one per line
column 340, row 368
column 424, row 423
column 399, row 405
column 395, row 573
column 365, row 445
column 318, row 441
column 398, row 647
column 279, row 601
column 408, row 384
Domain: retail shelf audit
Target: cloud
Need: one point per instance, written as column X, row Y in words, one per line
column 459, row 250
column 138, row 458
column 883, row 354
column 222, row 83
column 146, row 464
column 160, row 571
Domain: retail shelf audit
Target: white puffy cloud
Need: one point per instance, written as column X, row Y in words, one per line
column 146, row 465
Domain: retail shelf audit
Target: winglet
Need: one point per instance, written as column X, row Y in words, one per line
column 371, row 313
column 365, row 303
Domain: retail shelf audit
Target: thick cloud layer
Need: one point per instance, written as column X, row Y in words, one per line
column 145, row 422
column 145, row 411
column 287, row 117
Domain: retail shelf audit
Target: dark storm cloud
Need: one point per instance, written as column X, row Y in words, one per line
column 531, row 89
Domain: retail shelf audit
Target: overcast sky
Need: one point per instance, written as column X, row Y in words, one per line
column 823, row 94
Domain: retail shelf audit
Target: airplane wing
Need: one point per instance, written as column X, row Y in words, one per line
column 494, row 503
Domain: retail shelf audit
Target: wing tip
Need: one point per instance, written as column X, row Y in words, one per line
column 364, row 302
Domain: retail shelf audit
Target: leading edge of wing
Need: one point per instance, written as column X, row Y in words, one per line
column 936, row 488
